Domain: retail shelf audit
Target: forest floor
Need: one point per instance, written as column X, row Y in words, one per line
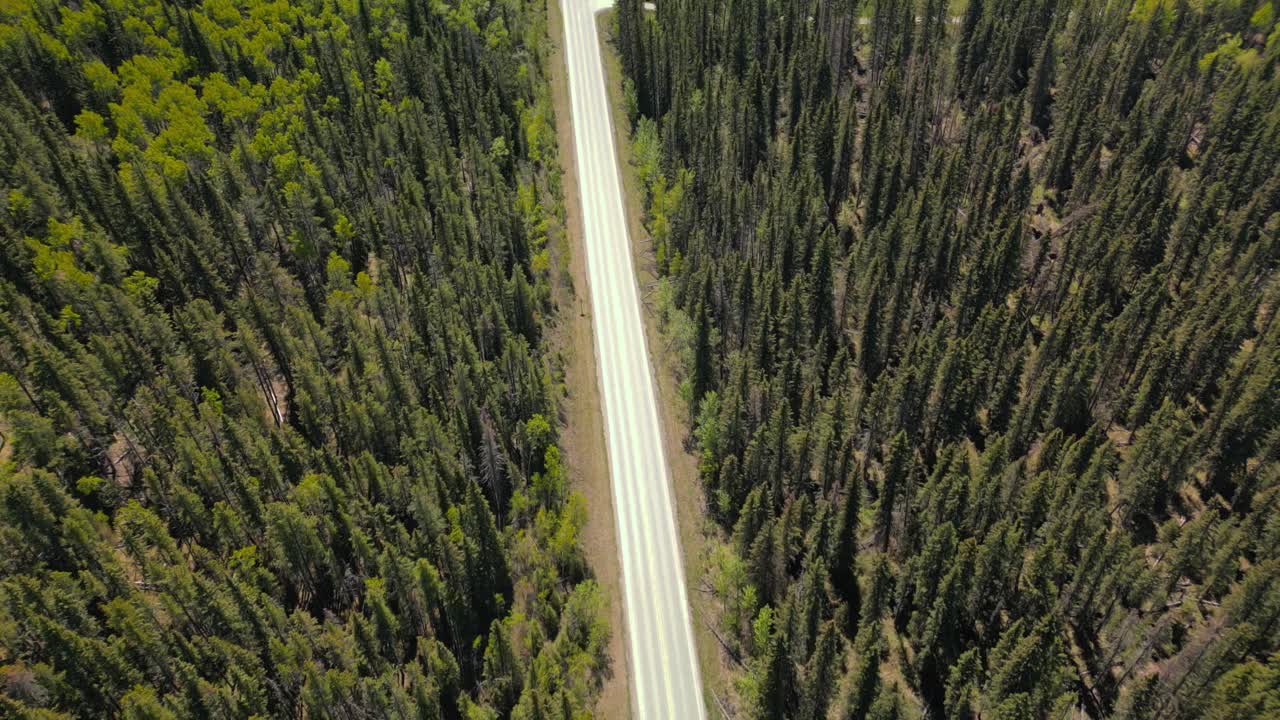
column 583, row 435
column 697, row 530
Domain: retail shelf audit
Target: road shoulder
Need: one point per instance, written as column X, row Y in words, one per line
column 694, row 527
column 582, row 436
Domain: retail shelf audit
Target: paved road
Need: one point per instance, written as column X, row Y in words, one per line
column 664, row 669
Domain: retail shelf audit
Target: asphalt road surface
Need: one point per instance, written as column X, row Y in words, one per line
column 664, row 668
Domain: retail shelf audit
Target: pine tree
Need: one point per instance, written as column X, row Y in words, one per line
column 894, row 478
column 842, row 557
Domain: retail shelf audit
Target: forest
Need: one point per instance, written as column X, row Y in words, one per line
column 975, row 306
column 278, row 409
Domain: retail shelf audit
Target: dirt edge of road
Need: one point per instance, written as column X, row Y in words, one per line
column 695, row 529
column 582, row 437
